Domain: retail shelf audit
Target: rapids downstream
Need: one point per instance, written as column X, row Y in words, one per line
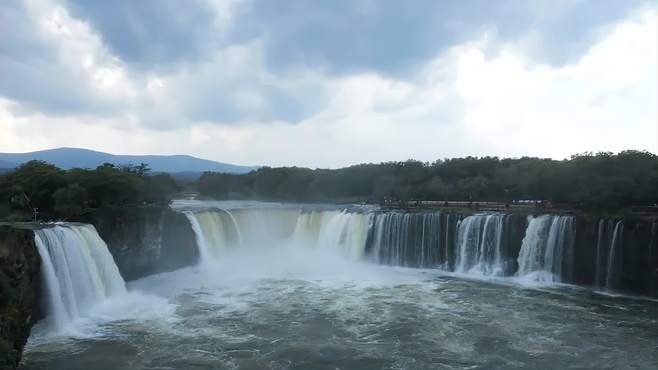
column 299, row 287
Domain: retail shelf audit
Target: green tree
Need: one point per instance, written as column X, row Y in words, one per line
column 71, row 200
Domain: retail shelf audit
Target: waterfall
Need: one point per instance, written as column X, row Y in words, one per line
column 479, row 244
column 344, row 232
column 547, row 248
column 219, row 231
column 215, row 232
column 609, row 253
column 409, row 239
column 264, row 225
column 615, row 257
column 78, row 270
column 485, row 244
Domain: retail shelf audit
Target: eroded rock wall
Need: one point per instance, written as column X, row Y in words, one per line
column 19, row 291
column 145, row 240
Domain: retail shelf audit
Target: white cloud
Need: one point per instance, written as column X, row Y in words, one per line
column 80, row 53
column 460, row 103
column 605, row 101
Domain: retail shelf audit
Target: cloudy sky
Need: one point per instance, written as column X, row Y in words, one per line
column 329, row 83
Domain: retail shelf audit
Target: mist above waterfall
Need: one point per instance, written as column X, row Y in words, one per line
column 477, row 246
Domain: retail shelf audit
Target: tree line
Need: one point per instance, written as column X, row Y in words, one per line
column 590, row 181
column 56, row 194
column 603, row 181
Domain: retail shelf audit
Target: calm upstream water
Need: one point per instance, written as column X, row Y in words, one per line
column 288, row 308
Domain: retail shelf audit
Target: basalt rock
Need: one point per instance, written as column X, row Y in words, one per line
column 19, row 287
column 145, row 240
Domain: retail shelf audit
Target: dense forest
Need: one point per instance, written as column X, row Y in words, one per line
column 56, row 194
column 603, row 181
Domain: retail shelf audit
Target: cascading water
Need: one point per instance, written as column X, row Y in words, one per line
column 609, row 251
column 613, row 278
column 214, row 232
column 409, row 239
column 78, row 269
column 479, row 243
column 547, row 248
column 264, row 225
column 341, row 231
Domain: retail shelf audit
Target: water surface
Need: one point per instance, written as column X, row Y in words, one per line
column 292, row 309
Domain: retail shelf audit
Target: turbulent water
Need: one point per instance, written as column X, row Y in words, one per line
column 304, row 289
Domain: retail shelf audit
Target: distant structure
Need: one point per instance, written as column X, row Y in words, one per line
column 190, row 195
column 484, row 205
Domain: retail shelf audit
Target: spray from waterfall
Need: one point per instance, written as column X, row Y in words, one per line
column 215, row 233
column 219, row 231
column 344, row 232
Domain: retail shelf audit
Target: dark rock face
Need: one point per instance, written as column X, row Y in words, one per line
column 145, row 240
column 19, row 287
column 638, row 265
column 635, row 263
column 178, row 246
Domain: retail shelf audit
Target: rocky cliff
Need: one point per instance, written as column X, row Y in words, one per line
column 145, row 240
column 19, row 287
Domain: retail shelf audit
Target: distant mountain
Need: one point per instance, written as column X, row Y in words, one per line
column 6, row 165
column 68, row 158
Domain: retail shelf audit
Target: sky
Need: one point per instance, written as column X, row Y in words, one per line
column 329, row 83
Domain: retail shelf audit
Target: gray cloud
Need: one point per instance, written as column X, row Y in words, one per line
column 335, row 38
column 392, row 37
column 30, row 73
column 151, row 33
column 345, row 36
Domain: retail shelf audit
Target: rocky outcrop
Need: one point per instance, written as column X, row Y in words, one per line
column 145, row 240
column 19, row 287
